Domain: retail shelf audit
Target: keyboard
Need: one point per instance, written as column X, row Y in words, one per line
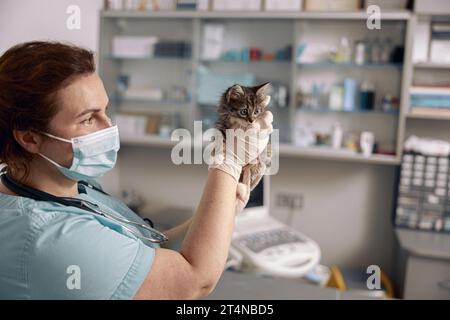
column 262, row 240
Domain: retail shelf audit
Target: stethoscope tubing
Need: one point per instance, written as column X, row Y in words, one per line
column 22, row 190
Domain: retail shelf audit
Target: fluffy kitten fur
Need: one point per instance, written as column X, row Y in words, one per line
column 239, row 107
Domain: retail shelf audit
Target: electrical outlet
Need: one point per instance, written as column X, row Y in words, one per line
column 290, row 200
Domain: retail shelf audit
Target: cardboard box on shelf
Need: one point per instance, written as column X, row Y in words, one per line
column 153, row 123
column 332, row 5
column 432, row 6
column 203, row 5
column 133, row 47
column 387, row 4
column 283, row 5
column 440, row 42
column 237, row 5
column 135, row 124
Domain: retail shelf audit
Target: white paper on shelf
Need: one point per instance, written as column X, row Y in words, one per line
column 428, row 146
column 252, row 5
column 131, row 125
column 212, row 41
column 154, row 94
column 203, row 5
column 432, row 6
column 133, row 47
column 421, row 42
column 440, row 51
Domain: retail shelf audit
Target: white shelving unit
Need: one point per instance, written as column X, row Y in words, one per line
column 431, row 65
column 283, row 28
column 287, row 150
column 427, row 72
column 340, row 15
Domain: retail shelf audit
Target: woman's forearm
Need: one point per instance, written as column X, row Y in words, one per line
column 208, row 238
column 176, row 235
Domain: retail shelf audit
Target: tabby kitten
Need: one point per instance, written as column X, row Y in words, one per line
column 239, row 107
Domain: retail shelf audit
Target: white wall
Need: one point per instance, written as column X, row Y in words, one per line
column 28, row 20
column 25, row 20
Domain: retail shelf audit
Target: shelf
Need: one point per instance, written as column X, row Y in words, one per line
column 433, row 13
column 111, row 21
column 344, row 15
column 147, row 14
column 327, row 153
column 287, row 62
column 350, row 65
column 177, row 103
column 431, row 65
column 156, row 59
column 427, row 116
column 357, row 111
column 148, row 140
column 323, row 153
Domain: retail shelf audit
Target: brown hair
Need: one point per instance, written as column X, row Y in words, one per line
column 31, row 74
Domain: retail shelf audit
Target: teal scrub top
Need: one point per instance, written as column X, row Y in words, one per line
column 51, row 251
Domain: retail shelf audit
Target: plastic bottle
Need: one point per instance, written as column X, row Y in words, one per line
column 386, row 49
column 344, row 52
column 367, row 95
column 337, row 136
column 375, row 51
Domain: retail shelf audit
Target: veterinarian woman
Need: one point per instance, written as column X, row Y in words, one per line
column 61, row 236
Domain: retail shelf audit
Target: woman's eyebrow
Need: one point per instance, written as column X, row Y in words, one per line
column 88, row 111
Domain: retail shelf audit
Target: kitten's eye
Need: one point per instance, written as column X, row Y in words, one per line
column 256, row 112
column 243, row 112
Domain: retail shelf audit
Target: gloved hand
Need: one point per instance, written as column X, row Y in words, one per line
column 243, row 191
column 243, row 148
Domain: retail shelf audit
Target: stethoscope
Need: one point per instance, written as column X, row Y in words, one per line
column 38, row 195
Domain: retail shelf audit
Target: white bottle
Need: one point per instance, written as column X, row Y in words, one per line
column 344, row 53
column 337, row 136
column 360, row 53
column 367, row 141
column 336, row 98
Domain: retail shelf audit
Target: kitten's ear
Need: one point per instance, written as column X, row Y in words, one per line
column 235, row 92
column 262, row 88
column 266, row 101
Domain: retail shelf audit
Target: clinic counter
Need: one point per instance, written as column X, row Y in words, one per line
column 244, row 286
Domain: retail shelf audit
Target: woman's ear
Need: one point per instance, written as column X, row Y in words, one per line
column 29, row 140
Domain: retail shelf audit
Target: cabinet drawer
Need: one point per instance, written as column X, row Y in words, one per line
column 427, row 278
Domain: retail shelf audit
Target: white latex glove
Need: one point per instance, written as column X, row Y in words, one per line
column 243, row 191
column 244, row 147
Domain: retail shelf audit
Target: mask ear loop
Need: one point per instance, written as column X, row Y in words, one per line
column 50, row 160
column 57, row 138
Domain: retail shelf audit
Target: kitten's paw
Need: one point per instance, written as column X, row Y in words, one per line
column 242, row 192
column 243, row 188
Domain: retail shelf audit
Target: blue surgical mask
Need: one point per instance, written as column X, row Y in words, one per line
column 94, row 154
